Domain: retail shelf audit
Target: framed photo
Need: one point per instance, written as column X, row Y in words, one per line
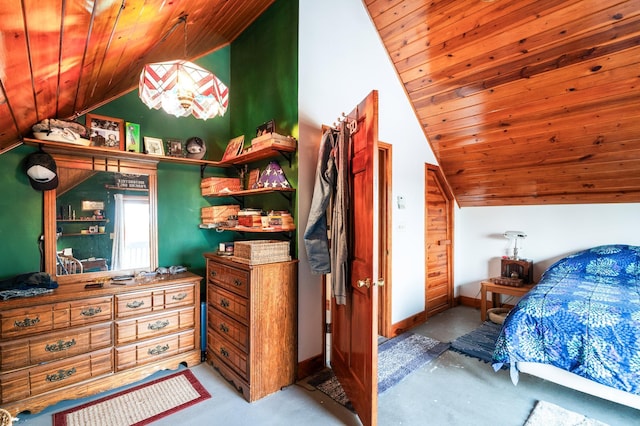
column 264, row 128
column 174, row 148
column 105, row 132
column 132, row 137
column 153, row 146
column 234, row 148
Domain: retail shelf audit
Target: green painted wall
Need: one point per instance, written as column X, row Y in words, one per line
column 260, row 69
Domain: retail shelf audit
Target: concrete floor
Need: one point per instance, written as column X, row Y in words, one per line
column 452, row 390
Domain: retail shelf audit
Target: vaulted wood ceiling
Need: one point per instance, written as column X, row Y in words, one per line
column 62, row 58
column 523, row 102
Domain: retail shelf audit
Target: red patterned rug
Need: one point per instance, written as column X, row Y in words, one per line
column 139, row 405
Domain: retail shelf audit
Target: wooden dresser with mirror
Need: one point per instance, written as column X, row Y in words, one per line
column 93, row 333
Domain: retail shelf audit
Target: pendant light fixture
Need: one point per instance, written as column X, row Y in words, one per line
column 182, row 88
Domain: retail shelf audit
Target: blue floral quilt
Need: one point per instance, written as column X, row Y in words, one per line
column 583, row 317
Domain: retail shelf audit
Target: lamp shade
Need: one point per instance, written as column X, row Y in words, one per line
column 182, row 88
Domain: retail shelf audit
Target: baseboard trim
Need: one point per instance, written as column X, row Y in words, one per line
column 309, row 366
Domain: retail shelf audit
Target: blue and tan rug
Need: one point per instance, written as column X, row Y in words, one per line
column 480, row 343
column 397, row 358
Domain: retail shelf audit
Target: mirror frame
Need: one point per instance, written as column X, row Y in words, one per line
column 100, row 163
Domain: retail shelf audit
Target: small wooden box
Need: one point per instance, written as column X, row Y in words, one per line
column 218, row 214
column 517, row 269
column 215, row 185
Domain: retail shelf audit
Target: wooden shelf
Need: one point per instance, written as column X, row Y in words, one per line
column 255, row 229
column 246, row 192
column 117, row 154
column 261, row 154
column 81, row 220
column 78, row 234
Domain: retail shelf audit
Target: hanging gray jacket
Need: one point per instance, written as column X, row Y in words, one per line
column 316, row 240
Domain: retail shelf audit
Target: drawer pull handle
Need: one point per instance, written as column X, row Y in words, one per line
column 224, row 352
column 224, row 303
column 213, row 273
column 60, row 345
column 91, row 312
column 224, row 328
column 27, row 322
column 135, row 304
column 61, row 375
column 180, row 296
column 237, row 282
column 158, row 350
column 158, row 325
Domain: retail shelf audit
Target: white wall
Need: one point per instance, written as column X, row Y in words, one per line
column 341, row 59
column 553, row 231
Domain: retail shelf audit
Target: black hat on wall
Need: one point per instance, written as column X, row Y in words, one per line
column 42, row 171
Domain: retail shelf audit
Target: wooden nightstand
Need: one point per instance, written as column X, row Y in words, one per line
column 496, row 290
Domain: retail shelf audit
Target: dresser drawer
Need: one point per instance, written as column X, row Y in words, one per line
column 154, row 350
column 154, row 325
column 179, row 296
column 88, row 311
column 144, row 302
column 232, row 279
column 134, row 303
column 38, row 349
column 47, row 377
column 235, row 306
column 22, row 322
column 234, row 331
column 229, row 354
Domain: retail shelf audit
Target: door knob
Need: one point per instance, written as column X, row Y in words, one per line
column 365, row 283
column 380, row 282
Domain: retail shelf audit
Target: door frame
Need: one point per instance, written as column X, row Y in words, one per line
column 385, row 174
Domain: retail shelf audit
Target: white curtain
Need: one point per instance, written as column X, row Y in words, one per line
column 118, row 250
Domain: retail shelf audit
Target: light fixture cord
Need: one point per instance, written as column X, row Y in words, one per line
column 184, row 19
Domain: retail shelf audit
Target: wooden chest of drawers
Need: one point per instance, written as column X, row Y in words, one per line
column 252, row 324
column 75, row 342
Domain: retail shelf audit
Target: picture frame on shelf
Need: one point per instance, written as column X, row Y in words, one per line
column 234, row 148
column 105, row 132
column 132, row 137
column 175, row 148
column 153, row 146
column 266, row 127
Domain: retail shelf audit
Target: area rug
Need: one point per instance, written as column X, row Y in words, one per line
column 480, row 343
column 397, row 358
column 546, row 414
column 139, row 405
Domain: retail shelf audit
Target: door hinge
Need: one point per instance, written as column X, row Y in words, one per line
column 327, row 328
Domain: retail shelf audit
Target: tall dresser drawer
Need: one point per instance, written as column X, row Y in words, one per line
column 63, row 344
column 232, row 279
column 154, row 325
column 234, row 331
column 153, row 350
column 231, row 304
column 47, row 377
column 229, row 354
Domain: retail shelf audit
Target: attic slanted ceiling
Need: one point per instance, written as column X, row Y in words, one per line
column 523, row 102
column 63, row 58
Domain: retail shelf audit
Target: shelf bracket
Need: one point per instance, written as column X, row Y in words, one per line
column 202, row 169
column 288, row 156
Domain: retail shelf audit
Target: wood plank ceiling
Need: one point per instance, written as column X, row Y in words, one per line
column 63, row 58
column 523, row 102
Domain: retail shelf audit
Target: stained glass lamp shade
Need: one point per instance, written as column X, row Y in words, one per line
column 182, row 88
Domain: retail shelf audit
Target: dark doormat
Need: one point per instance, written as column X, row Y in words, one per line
column 480, row 343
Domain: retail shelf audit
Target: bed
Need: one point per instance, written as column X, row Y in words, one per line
column 580, row 325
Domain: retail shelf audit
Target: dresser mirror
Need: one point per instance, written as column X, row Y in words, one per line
column 101, row 219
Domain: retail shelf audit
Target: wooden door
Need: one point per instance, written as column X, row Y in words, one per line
column 439, row 242
column 354, row 349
